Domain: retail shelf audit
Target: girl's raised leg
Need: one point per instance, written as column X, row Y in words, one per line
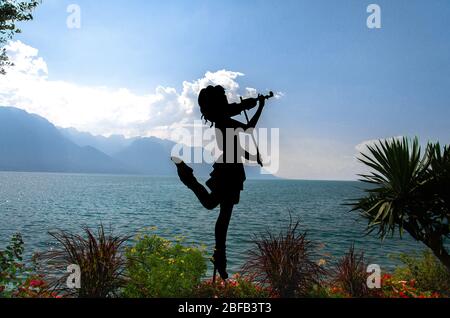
column 208, row 200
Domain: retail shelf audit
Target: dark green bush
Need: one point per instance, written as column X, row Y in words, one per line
column 157, row 267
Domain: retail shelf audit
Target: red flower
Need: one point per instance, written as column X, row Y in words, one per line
column 36, row 283
column 387, row 276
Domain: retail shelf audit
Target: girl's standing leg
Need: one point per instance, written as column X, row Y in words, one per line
column 222, row 225
column 220, row 259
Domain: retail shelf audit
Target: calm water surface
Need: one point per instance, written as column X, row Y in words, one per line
column 35, row 203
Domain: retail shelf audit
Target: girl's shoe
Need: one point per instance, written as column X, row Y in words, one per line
column 219, row 261
column 184, row 172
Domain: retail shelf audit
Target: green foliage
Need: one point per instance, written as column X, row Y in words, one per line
column 12, row 268
column 11, row 12
column 99, row 255
column 236, row 287
column 408, row 191
column 426, row 270
column 160, row 268
column 17, row 280
column 325, row 291
column 285, row 262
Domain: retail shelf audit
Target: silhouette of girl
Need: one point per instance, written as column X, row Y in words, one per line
column 227, row 178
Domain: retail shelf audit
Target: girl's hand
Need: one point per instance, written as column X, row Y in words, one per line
column 262, row 100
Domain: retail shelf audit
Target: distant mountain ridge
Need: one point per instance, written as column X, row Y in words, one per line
column 148, row 155
column 29, row 142
column 109, row 145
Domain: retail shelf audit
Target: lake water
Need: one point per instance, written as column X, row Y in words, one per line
column 35, row 203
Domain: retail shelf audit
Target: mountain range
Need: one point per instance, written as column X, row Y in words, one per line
column 31, row 143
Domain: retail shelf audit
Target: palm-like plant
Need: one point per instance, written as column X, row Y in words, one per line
column 408, row 191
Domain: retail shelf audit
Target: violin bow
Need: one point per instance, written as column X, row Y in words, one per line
column 253, row 136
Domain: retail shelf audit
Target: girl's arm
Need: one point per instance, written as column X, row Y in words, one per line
column 232, row 123
column 235, row 109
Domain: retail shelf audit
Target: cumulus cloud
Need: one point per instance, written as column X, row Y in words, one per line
column 363, row 146
column 103, row 110
column 106, row 111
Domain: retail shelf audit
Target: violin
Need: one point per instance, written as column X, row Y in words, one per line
column 249, row 103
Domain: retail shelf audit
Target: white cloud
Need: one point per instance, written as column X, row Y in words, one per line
column 362, row 147
column 307, row 157
column 102, row 110
column 106, row 111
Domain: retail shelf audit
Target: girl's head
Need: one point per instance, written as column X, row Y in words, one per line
column 212, row 101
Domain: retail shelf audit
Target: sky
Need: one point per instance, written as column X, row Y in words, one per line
column 135, row 67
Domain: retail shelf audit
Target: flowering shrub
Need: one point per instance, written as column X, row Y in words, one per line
column 393, row 288
column 157, row 267
column 18, row 280
column 235, row 287
column 12, row 268
column 427, row 271
column 35, row 287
